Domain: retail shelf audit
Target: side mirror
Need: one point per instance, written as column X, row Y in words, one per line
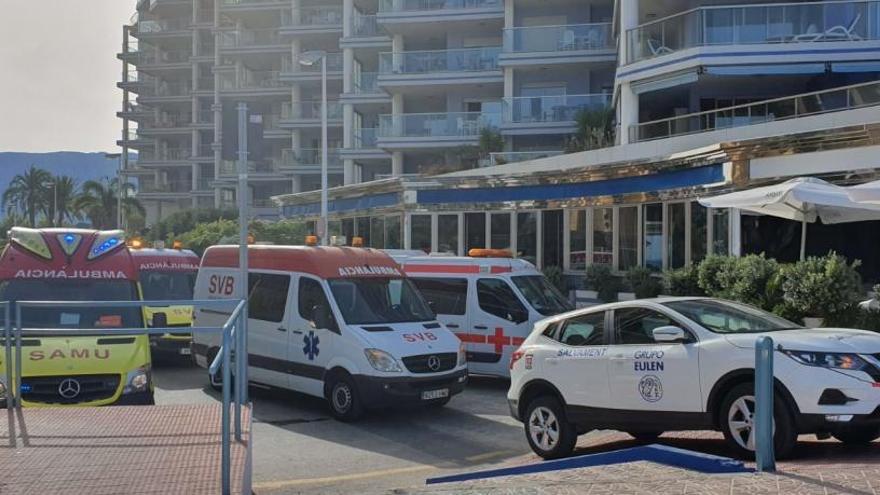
column 159, row 320
column 322, row 318
column 669, row 333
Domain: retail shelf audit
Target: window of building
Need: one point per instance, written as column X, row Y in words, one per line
column 377, row 232
column 653, row 235
column 603, row 236
column 584, row 330
column 267, row 296
column 699, row 232
column 636, row 325
column 392, row 232
column 348, row 229
column 499, row 231
column 628, row 242
column 527, row 236
column 420, row 232
column 474, row 231
column 310, row 295
column 447, row 296
column 720, row 231
column 577, row 240
column 551, row 226
column 497, row 298
column 675, row 235
column 362, row 229
column 447, row 233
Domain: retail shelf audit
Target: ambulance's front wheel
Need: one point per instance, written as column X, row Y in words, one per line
column 342, row 395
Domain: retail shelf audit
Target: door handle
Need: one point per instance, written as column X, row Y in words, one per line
column 282, row 329
column 298, row 332
column 481, row 327
column 452, row 325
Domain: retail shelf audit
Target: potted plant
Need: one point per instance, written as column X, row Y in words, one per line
column 601, row 280
column 819, row 288
column 643, row 283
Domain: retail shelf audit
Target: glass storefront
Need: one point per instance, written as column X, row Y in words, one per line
column 527, row 236
column 675, row 236
column 603, row 236
column 653, row 236
column 552, row 248
column 474, row 231
column 420, row 233
column 447, row 234
column 577, row 240
column 628, row 245
column 499, row 231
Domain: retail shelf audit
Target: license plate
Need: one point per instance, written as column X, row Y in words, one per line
column 185, row 351
column 435, row 394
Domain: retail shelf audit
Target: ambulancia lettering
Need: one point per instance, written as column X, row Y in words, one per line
column 224, row 284
column 74, row 354
column 419, row 337
column 74, row 274
column 351, row 271
column 164, row 265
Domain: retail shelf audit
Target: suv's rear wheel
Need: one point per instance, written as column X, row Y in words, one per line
column 737, row 420
column 858, row 435
column 548, row 432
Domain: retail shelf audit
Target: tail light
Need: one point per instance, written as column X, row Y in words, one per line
column 516, row 356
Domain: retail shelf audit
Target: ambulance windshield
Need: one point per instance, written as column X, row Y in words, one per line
column 365, row 301
column 168, row 286
column 542, row 295
column 73, row 290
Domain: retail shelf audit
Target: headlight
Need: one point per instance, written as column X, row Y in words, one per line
column 137, row 380
column 462, row 354
column 382, row 361
column 839, row 361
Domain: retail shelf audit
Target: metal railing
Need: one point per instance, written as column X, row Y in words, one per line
column 502, row 157
column 365, row 25
column 789, row 107
column 366, row 83
column 156, row 57
column 263, row 79
column 318, row 15
column 174, row 88
column 250, row 37
column 428, row 61
column 365, row 138
column 292, row 65
column 162, row 26
column 233, row 332
column 426, row 125
column 571, row 37
column 804, row 22
column 230, row 167
column 171, row 186
column 435, row 5
column 310, row 110
column 167, row 155
column 170, row 121
column 308, row 157
column 562, row 108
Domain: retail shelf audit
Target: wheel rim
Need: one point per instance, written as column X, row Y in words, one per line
column 741, row 422
column 544, row 428
column 341, row 397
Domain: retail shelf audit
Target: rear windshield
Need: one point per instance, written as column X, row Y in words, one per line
column 168, row 286
column 365, row 301
column 73, row 290
column 542, row 295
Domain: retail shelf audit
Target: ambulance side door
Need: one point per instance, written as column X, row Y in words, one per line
column 267, row 334
column 312, row 337
column 498, row 321
column 448, row 298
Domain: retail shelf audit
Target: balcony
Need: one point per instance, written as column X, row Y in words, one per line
column 800, row 24
column 308, row 160
column 167, row 92
column 440, row 67
column 366, row 32
column 162, row 58
column 256, row 41
column 779, row 109
column 572, row 43
column 133, row 139
column 236, row 5
column 229, row 168
column 318, row 19
column 397, row 15
column 162, row 28
column 137, row 82
column 167, row 157
column 547, row 114
column 305, row 114
column 292, row 70
column 147, row 190
column 203, row 119
column 433, row 130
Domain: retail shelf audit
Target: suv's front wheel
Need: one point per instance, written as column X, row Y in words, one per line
column 548, row 432
column 737, row 419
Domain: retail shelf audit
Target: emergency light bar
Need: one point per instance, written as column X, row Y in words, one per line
column 32, row 240
column 106, row 242
column 69, row 242
column 489, row 253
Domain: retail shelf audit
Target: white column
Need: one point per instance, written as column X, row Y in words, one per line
column 347, row 18
column 347, row 70
column 629, row 19
column 347, row 126
column 397, row 51
column 296, row 183
column 509, row 13
column 348, row 176
column 397, row 163
column 628, row 108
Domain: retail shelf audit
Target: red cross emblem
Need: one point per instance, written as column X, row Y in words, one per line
column 499, row 339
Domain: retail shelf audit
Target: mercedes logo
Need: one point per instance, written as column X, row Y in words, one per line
column 434, row 363
column 69, row 388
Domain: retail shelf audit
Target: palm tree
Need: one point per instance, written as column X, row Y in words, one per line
column 595, row 129
column 61, row 197
column 29, row 192
column 98, row 202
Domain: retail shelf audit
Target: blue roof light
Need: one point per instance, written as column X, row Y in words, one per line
column 69, row 238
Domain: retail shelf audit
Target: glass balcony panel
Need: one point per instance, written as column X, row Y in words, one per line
column 367, row 83
column 535, row 109
column 366, row 25
column 162, row 26
column 309, row 157
column 310, row 110
column 365, row 137
column 318, row 15
column 430, row 5
column 559, row 38
column 426, row 125
column 424, row 62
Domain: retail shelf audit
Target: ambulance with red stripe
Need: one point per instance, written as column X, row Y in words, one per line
column 340, row 323
column 168, row 275
column 488, row 299
column 76, row 265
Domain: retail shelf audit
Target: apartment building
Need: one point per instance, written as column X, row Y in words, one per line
column 415, row 87
column 709, row 97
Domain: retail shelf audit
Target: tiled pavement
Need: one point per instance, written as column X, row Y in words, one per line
column 135, row 449
column 825, row 467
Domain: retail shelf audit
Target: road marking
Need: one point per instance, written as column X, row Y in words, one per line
column 277, row 485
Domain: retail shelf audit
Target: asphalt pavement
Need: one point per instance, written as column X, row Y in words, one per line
column 299, row 448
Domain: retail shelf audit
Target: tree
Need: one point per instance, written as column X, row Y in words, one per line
column 595, row 129
column 61, row 197
column 491, row 141
column 98, row 202
column 28, row 192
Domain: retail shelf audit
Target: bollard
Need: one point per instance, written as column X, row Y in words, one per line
column 225, row 440
column 765, row 458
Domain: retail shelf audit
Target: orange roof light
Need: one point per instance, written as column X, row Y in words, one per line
column 135, row 243
column 251, row 239
column 311, row 240
column 357, row 242
column 177, row 244
column 489, row 253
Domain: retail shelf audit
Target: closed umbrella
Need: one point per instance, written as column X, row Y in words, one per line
column 805, row 199
column 865, row 193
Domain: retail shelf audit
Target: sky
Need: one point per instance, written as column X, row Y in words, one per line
column 58, row 74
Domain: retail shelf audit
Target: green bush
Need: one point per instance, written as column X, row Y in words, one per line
column 209, row 234
column 643, row 282
column 826, row 287
column 554, row 276
column 600, row 279
column 683, row 282
column 753, row 280
column 284, row 232
column 713, row 273
column 179, row 222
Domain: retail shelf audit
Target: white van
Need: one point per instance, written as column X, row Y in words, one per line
column 490, row 302
column 340, row 323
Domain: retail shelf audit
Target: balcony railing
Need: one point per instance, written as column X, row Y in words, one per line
column 367, row 83
column 291, row 65
column 171, row 186
column 427, row 125
column 791, row 107
column 806, row 22
column 310, row 110
column 170, row 121
column 163, row 57
column 425, row 62
column 434, row 5
column 365, row 25
column 503, row 157
column 204, row 150
column 308, row 157
column 250, row 37
column 175, row 88
column 564, row 108
column 319, row 15
column 162, row 26
column 573, row 37
column 168, row 155
column 365, row 138
column 204, row 117
column 262, row 79
column 230, row 167
column 204, row 184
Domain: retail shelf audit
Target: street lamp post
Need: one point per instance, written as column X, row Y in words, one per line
column 308, row 59
column 118, row 157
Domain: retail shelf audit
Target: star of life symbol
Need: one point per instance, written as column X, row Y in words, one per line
column 310, row 347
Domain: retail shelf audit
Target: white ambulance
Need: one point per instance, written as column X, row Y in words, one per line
column 340, row 323
column 488, row 299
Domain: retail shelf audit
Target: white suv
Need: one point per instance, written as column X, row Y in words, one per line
column 649, row 366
